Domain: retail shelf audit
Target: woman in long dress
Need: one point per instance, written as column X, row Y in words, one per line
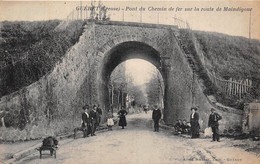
column 122, row 120
column 194, row 121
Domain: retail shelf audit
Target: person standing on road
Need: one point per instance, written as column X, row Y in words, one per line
column 145, row 109
column 214, row 117
column 85, row 121
column 110, row 121
column 122, row 120
column 94, row 120
column 99, row 110
column 156, row 116
column 194, row 121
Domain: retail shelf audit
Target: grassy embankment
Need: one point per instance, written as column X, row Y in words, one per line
column 29, row 50
column 232, row 57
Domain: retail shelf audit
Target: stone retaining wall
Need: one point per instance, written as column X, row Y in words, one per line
column 53, row 104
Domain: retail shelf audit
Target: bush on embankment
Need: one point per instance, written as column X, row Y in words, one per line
column 232, row 57
column 29, row 50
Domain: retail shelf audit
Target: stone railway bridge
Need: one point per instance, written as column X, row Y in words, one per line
column 83, row 74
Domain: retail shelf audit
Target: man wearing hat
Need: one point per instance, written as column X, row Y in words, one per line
column 156, row 116
column 214, row 117
column 99, row 111
column 85, row 121
column 94, row 119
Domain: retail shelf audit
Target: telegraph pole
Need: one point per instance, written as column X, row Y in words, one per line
column 123, row 15
column 174, row 20
column 250, row 27
column 141, row 16
column 86, row 12
column 80, row 10
column 158, row 18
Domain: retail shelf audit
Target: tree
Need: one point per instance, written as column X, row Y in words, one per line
column 118, row 86
column 121, row 85
column 155, row 89
column 137, row 93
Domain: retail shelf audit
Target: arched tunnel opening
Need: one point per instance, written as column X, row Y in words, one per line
column 113, row 59
column 135, row 85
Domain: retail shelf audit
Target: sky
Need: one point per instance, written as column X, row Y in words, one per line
column 140, row 70
column 229, row 22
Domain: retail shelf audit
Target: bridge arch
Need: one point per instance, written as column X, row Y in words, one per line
column 118, row 51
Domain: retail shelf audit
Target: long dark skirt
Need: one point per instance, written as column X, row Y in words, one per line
column 122, row 121
column 86, row 129
column 195, row 128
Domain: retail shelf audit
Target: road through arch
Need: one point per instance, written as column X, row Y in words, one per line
column 120, row 53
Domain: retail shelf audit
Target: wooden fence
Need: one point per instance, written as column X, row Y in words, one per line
column 232, row 86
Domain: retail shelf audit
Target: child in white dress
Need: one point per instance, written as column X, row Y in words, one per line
column 110, row 121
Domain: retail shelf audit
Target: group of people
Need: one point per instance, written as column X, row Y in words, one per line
column 193, row 127
column 182, row 127
column 214, row 117
column 122, row 119
column 90, row 119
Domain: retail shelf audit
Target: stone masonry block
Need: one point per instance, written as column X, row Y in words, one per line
column 117, row 40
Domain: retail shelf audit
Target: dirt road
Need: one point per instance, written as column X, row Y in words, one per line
column 138, row 144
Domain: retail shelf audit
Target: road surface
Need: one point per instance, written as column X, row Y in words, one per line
column 138, row 144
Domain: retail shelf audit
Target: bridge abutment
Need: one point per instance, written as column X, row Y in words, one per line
column 55, row 101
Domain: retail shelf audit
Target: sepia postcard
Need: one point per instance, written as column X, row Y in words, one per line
column 130, row 82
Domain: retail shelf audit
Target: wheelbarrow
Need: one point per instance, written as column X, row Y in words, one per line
column 52, row 150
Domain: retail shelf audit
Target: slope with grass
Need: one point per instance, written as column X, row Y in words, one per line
column 230, row 56
column 226, row 57
column 29, row 50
